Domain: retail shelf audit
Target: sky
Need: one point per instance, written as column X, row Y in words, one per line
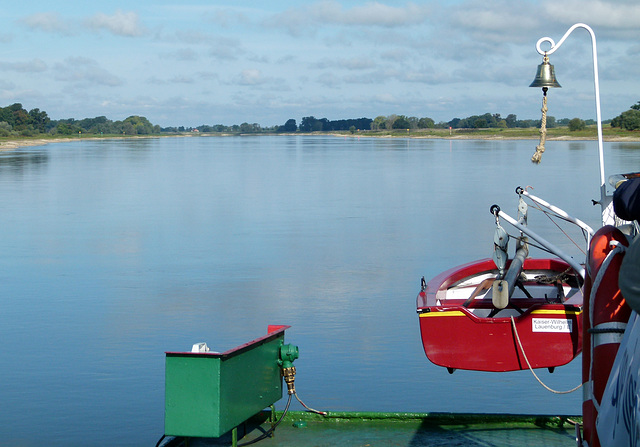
column 196, row 62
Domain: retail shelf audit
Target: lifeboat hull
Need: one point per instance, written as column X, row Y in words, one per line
column 459, row 333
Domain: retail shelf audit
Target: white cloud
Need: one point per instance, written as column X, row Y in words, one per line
column 306, row 19
column 85, row 71
column 225, row 49
column 595, row 13
column 49, row 22
column 183, row 55
column 354, row 63
column 370, row 14
column 329, row 80
column 120, row 23
column 191, row 37
column 32, row 66
column 357, row 63
column 396, row 55
column 5, row 85
column 227, row 18
column 498, row 22
column 251, row 77
column 386, row 98
column 182, row 79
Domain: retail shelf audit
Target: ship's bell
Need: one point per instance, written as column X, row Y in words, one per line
column 546, row 76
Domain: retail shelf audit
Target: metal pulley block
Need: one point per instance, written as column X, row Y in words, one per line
column 500, row 246
column 522, row 211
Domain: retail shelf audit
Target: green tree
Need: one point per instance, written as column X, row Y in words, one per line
column 39, row 120
column 629, row 120
column 401, row 122
column 128, row 128
column 140, row 125
column 551, row 122
column 5, row 129
column 389, row 121
column 480, row 123
column 310, row 124
column 289, row 126
column 425, row 123
column 577, row 124
column 67, row 129
column 379, row 123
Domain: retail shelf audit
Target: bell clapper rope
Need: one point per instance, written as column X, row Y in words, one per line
column 537, row 156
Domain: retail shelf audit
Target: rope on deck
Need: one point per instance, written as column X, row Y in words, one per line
column 515, row 331
column 323, row 413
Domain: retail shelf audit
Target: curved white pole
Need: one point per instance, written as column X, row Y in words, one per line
column 545, row 243
column 562, row 213
column 554, row 47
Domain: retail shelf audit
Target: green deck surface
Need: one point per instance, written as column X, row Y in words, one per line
column 301, row 429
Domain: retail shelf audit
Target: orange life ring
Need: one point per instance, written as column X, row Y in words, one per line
column 605, row 317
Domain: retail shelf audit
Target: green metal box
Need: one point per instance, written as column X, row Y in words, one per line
column 208, row 394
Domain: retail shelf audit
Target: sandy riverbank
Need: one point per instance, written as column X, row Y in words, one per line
column 11, row 144
column 24, row 142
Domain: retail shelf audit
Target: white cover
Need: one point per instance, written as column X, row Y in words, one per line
column 618, row 422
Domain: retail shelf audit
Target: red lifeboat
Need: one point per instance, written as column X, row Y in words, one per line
column 461, row 328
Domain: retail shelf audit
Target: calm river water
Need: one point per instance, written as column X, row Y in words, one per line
column 113, row 252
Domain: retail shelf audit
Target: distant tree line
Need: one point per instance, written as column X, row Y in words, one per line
column 16, row 121
column 391, row 122
column 308, row 124
column 133, row 125
column 312, row 124
column 221, row 128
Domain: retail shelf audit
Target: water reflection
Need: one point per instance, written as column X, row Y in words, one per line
column 19, row 162
column 629, row 146
column 579, row 145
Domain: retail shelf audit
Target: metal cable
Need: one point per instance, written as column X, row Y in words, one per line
column 268, row 432
column 323, row 413
column 550, row 215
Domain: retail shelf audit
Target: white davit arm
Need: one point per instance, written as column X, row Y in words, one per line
column 546, row 244
column 558, row 211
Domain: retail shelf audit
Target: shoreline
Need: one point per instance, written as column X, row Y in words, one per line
column 15, row 144
column 12, row 144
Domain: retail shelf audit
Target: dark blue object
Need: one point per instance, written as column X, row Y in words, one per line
column 626, row 200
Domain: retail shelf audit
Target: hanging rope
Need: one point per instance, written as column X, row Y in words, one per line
column 537, row 156
column 515, row 331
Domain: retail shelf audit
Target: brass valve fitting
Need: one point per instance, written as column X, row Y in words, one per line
column 289, row 375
